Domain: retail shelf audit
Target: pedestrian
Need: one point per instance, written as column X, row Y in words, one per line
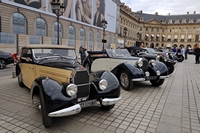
column 142, row 45
column 82, row 53
column 197, row 53
column 186, row 52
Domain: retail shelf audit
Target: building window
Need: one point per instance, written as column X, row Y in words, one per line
column 152, row 29
column 183, row 30
column 41, row 27
column 91, row 40
column 98, row 40
column 147, row 29
column 82, row 37
column 198, row 20
column 176, row 30
column 19, row 23
column 7, row 38
column 175, row 40
column 182, row 40
column 56, row 30
column 71, row 36
column 197, row 38
column 34, row 39
column 140, row 28
column 197, row 29
column 163, row 30
column 168, row 39
column 157, row 29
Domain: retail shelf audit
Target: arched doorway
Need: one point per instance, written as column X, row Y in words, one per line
column 189, row 46
column 175, row 45
column 182, row 46
column 152, row 45
column 162, row 45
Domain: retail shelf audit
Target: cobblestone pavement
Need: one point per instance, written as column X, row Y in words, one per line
column 172, row 108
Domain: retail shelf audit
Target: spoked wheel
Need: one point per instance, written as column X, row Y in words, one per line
column 47, row 121
column 2, row 64
column 180, row 58
column 125, row 80
column 157, row 82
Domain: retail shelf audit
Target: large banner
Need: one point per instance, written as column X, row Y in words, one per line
column 89, row 12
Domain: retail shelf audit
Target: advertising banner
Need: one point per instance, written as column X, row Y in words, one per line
column 88, row 12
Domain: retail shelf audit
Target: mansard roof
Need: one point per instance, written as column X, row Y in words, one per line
column 148, row 17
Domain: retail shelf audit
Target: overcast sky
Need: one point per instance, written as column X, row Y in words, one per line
column 164, row 7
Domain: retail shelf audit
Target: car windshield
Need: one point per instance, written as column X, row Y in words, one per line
column 118, row 52
column 150, row 50
column 52, row 52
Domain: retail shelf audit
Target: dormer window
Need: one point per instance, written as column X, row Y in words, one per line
column 177, row 21
column 184, row 21
column 198, row 20
column 170, row 21
column 191, row 20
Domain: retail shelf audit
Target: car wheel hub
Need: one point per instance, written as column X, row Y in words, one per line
column 124, row 80
column 2, row 64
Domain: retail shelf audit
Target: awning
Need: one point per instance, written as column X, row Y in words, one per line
column 147, row 35
column 168, row 45
column 169, row 36
column 158, row 35
column 189, row 36
column 182, row 36
column 152, row 35
column 120, row 41
column 175, row 36
column 163, row 35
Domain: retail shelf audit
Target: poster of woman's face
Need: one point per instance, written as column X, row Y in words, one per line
column 98, row 12
column 83, row 9
column 38, row 4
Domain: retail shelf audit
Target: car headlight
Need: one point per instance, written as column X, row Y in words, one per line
column 147, row 74
column 153, row 62
column 71, row 89
column 158, row 58
column 140, row 62
column 158, row 73
column 103, row 84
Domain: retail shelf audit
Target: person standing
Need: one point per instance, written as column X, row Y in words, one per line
column 82, row 53
column 142, row 45
column 197, row 53
column 186, row 52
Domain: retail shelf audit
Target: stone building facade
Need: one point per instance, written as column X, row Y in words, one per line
column 165, row 31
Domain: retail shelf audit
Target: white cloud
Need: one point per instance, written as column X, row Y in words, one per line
column 164, row 7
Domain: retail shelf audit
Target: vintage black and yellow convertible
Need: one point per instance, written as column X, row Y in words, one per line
column 63, row 85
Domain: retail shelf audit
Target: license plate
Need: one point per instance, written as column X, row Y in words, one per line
column 152, row 78
column 88, row 103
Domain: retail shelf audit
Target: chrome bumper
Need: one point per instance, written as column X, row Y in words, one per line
column 110, row 101
column 164, row 77
column 67, row 111
column 139, row 79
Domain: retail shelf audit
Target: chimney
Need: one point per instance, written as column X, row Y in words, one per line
column 140, row 11
column 169, row 14
column 156, row 13
column 187, row 12
column 194, row 12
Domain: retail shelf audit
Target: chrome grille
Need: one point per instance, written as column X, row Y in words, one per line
column 145, row 65
column 81, row 79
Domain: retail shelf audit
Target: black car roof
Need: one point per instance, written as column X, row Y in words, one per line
column 135, row 48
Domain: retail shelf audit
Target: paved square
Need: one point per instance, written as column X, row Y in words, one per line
column 173, row 107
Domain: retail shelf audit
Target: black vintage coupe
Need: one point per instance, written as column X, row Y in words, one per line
column 63, row 85
column 127, row 69
column 5, row 59
column 140, row 52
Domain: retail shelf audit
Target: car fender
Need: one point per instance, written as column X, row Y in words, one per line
column 134, row 72
column 51, row 90
column 160, row 66
column 113, row 88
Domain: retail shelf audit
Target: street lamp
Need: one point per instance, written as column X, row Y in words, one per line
column 58, row 9
column 125, row 32
column 104, row 26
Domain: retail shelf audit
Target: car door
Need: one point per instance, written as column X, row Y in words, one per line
column 27, row 67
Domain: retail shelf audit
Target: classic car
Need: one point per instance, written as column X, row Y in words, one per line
column 5, row 59
column 140, row 52
column 63, row 85
column 126, row 68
